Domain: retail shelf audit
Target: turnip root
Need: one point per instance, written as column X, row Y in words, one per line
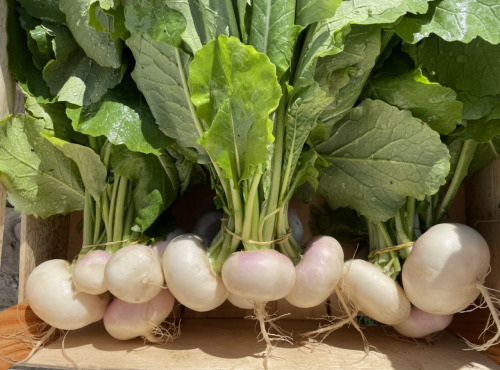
column 374, row 293
column 421, row 324
column 259, row 276
column 124, row 320
column 134, row 274
column 51, row 295
column 189, row 276
column 88, row 272
column 445, row 272
column 318, row 272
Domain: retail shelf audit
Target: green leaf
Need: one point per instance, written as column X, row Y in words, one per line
column 155, row 182
column 309, row 12
column 453, row 21
column 485, row 154
column 378, row 156
column 38, row 177
column 47, row 10
column 273, row 31
column 344, row 75
column 91, row 169
column 483, row 130
column 123, row 117
column 160, row 74
column 28, row 76
column 56, row 121
column 303, row 114
column 98, row 46
column 155, row 18
column 110, row 20
column 471, row 67
column 80, row 80
column 477, row 107
column 432, row 103
column 235, row 89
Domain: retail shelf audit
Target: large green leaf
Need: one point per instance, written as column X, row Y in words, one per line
column 235, row 89
column 344, row 75
column 432, row 103
column 97, row 45
column 378, row 156
column 472, row 67
column 123, row 117
column 312, row 11
column 454, row 21
column 326, row 38
column 160, row 74
column 92, row 170
column 155, row 18
column 273, row 31
column 38, row 177
column 155, row 182
column 80, row 80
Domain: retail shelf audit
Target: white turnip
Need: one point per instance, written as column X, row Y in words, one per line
column 134, row 274
column 88, row 272
column 318, row 272
column 445, row 271
column 124, row 320
column 51, row 295
column 447, row 263
column 373, row 293
column 259, row 275
column 189, row 275
column 240, row 302
column 421, row 324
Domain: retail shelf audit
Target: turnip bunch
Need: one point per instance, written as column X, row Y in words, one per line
column 86, row 143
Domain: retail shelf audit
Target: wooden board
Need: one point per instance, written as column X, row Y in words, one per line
column 232, row 344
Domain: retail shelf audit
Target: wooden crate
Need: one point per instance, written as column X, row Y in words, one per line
column 223, row 338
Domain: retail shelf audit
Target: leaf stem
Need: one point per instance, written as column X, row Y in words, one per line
column 466, row 155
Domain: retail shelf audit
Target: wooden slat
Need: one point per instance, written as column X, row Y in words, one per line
column 483, row 213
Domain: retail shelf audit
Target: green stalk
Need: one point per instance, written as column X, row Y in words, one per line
column 466, row 155
column 119, row 210
column 410, row 217
column 233, row 24
column 272, row 202
column 97, row 223
column 112, row 209
column 253, row 193
column 402, row 237
column 129, row 218
column 88, row 219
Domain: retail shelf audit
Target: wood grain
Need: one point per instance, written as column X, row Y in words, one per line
column 18, row 325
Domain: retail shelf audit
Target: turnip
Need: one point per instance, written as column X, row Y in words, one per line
column 134, row 274
column 189, row 275
column 52, row 296
column 259, row 276
column 124, row 320
column 317, row 273
column 421, row 324
column 446, row 269
column 373, row 293
column 88, row 272
column 240, row 302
